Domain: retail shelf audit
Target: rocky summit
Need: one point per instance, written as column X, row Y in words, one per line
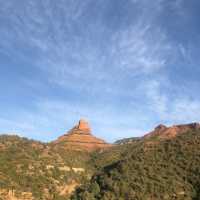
column 80, row 138
column 164, row 132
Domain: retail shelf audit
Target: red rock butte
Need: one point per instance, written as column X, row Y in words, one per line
column 80, row 138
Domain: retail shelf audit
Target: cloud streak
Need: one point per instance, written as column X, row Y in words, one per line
column 94, row 61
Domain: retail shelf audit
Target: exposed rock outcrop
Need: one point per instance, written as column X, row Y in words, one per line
column 80, row 138
column 164, row 132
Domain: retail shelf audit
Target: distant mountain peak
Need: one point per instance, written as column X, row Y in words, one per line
column 82, row 127
column 160, row 127
column 80, row 138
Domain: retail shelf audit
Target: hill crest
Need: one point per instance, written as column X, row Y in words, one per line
column 164, row 132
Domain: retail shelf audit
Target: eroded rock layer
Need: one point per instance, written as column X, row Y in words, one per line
column 80, row 138
column 164, row 132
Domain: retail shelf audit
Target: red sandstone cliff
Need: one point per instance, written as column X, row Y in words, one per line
column 80, row 138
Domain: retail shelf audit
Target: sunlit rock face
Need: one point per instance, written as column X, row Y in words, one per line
column 80, row 138
column 164, row 132
column 83, row 125
column 82, row 128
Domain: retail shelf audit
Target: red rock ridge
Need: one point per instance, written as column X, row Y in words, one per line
column 80, row 138
column 164, row 132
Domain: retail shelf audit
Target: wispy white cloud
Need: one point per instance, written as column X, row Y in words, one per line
column 142, row 49
column 72, row 58
column 171, row 109
column 158, row 101
column 184, row 110
column 127, row 64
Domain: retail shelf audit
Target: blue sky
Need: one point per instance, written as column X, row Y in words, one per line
column 125, row 65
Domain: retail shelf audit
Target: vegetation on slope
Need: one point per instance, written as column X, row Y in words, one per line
column 146, row 169
column 37, row 168
column 47, row 171
column 152, row 170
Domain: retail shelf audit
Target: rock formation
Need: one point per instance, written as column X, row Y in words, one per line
column 164, row 132
column 80, row 138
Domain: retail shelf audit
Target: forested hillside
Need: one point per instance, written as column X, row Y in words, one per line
column 33, row 169
column 152, row 169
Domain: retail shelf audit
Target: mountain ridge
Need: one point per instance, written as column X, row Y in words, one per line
column 164, row 132
column 168, row 169
column 53, row 170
